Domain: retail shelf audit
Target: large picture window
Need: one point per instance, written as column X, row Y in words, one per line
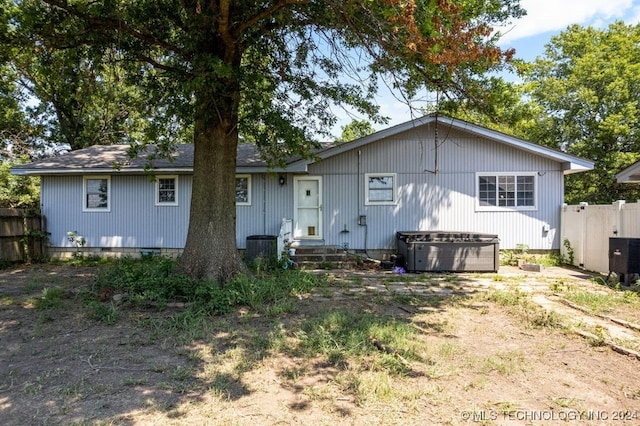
column 243, row 190
column 167, row 191
column 97, row 193
column 380, row 188
column 497, row 191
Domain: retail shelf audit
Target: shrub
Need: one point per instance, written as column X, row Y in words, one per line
column 152, row 280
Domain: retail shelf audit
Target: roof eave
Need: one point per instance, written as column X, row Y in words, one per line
column 298, row 167
column 66, row 172
column 572, row 167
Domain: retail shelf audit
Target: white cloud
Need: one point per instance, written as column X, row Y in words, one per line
column 556, row 15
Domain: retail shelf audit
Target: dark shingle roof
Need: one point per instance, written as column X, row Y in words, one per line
column 107, row 158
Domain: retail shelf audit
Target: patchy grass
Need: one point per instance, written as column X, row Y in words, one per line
column 281, row 352
column 519, row 303
column 602, row 302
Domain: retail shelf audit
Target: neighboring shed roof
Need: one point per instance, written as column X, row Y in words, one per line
column 629, row 175
column 109, row 158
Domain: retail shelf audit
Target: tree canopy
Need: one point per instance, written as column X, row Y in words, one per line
column 584, row 98
column 64, row 94
column 355, row 130
column 18, row 191
column 273, row 71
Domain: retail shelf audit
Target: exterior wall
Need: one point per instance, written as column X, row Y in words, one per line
column 270, row 203
column 428, row 200
column 134, row 221
column 445, row 200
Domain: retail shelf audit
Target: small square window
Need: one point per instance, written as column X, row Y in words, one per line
column 167, row 191
column 380, row 188
column 97, row 193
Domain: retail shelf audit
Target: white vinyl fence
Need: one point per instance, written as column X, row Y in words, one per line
column 586, row 231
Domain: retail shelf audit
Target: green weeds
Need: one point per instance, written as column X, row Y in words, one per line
column 341, row 335
column 599, row 302
column 519, row 303
column 152, row 282
column 51, row 299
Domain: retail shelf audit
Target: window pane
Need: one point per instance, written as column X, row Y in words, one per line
column 97, row 193
column 381, row 182
column 487, row 190
column 381, row 188
column 167, row 190
column 506, row 191
column 242, row 190
column 381, row 195
column 526, row 191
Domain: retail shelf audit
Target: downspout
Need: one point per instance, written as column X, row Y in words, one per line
column 264, row 204
column 362, row 219
column 358, row 179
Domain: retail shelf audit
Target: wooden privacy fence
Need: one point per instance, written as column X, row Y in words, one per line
column 586, row 229
column 22, row 235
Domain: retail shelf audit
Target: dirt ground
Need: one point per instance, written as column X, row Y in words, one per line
column 480, row 364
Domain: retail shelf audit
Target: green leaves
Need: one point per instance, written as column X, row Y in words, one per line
column 588, row 86
column 18, row 191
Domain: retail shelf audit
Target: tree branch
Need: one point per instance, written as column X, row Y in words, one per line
column 161, row 66
column 114, row 24
column 277, row 6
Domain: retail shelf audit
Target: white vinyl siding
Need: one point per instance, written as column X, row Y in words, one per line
column 381, row 188
column 506, row 191
column 167, row 191
column 96, row 194
column 243, row 190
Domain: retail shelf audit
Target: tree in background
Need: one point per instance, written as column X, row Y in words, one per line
column 583, row 97
column 65, row 94
column 18, row 191
column 355, row 130
column 269, row 70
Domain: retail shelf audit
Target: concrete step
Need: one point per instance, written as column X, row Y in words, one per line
column 319, row 256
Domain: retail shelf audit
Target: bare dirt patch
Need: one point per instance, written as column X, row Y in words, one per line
column 477, row 361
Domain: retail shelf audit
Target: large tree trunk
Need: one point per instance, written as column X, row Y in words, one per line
column 211, row 249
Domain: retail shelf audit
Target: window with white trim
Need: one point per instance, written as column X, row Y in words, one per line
column 506, row 191
column 243, row 190
column 96, row 193
column 380, row 188
column 167, row 191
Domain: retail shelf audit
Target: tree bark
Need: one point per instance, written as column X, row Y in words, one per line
column 211, row 248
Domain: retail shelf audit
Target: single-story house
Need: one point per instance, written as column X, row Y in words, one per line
column 430, row 173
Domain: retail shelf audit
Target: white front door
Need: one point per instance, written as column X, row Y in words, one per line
column 307, row 203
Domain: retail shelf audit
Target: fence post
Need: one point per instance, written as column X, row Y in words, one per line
column 583, row 206
column 618, row 225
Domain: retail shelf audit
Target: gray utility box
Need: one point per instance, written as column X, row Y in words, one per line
column 624, row 257
column 448, row 251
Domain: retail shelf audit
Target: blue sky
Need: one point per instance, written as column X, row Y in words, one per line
column 528, row 35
